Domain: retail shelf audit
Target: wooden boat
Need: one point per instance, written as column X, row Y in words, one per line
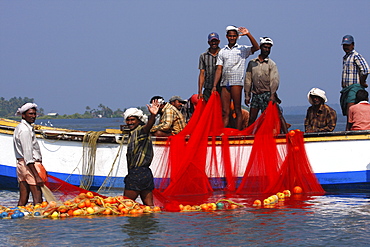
column 340, row 160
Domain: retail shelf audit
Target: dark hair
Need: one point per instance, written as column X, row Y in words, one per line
column 237, row 33
column 361, row 95
column 155, row 97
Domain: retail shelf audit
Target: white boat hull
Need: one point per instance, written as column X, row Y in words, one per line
column 341, row 161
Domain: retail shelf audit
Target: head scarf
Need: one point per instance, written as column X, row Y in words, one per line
column 134, row 112
column 25, row 108
column 266, row 40
column 316, row 92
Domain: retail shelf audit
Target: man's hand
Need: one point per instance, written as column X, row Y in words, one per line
column 39, row 181
column 214, row 89
column 364, row 84
column 243, row 31
column 153, row 108
column 200, row 96
column 247, row 101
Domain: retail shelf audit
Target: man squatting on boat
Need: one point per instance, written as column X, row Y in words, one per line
column 320, row 117
column 28, row 154
column 359, row 114
column 139, row 180
column 172, row 121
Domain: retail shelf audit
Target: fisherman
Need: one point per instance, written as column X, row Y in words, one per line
column 139, row 180
column 320, row 117
column 359, row 114
column 207, row 67
column 354, row 75
column 172, row 121
column 261, row 80
column 189, row 107
column 231, row 71
column 28, row 154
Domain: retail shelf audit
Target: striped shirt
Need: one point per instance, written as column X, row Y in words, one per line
column 172, row 120
column 25, row 143
column 354, row 66
column 207, row 61
column 233, row 62
column 139, row 149
column 322, row 120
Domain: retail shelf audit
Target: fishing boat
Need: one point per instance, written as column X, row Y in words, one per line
column 340, row 160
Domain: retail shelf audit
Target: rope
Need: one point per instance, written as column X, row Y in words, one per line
column 89, row 157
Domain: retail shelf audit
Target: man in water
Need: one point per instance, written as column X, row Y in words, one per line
column 261, row 80
column 27, row 151
column 172, row 121
column 354, row 74
column 320, row 117
column 139, row 180
column 231, row 71
column 207, row 67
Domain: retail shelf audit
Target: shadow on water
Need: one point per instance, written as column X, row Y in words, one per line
column 139, row 229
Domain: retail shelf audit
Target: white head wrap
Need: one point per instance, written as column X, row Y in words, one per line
column 266, row 40
column 25, row 108
column 134, row 112
column 231, row 28
column 316, row 92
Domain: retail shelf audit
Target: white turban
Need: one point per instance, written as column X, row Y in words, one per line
column 316, row 92
column 25, row 108
column 134, row 112
column 266, row 40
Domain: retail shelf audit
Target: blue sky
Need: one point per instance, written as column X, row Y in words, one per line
column 71, row 54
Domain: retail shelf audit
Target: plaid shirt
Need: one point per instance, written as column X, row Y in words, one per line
column 233, row 62
column 322, row 120
column 171, row 121
column 354, row 66
column 139, row 149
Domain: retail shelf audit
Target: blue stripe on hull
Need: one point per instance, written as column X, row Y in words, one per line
column 335, row 181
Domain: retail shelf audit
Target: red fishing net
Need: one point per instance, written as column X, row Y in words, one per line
column 206, row 157
column 63, row 191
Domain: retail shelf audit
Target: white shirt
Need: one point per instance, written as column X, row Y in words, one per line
column 233, row 62
column 25, row 143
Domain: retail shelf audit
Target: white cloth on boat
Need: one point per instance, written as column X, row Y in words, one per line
column 134, row 112
column 25, row 108
column 25, row 143
column 316, row 92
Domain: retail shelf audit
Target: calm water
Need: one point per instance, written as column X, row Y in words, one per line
column 330, row 220
column 98, row 124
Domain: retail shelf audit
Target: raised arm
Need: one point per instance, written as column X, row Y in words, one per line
column 255, row 46
column 153, row 109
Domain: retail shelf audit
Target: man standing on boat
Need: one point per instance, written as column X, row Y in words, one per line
column 320, row 117
column 207, row 67
column 27, row 151
column 172, row 121
column 261, row 80
column 139, row 180
column 231, row 71
column 354, row 75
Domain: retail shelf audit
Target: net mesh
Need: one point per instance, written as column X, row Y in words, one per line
column 206, row 158
column 63, row 191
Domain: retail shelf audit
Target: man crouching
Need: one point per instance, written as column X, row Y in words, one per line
column 139, row 180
